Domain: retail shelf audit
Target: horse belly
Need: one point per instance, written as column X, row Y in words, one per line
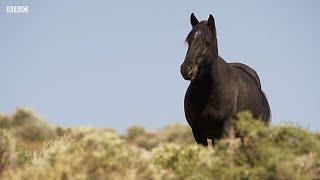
column 250, row 100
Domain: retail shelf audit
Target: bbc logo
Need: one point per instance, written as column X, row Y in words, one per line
column 17, row 9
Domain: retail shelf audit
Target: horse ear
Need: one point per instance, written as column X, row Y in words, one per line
column 211, row 23
column 194, row 21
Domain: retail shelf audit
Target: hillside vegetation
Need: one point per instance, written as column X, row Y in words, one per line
column 32, row 149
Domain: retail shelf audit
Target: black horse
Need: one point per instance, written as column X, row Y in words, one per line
column 218, row 90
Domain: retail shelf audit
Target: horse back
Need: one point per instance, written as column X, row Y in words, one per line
column 249, row 71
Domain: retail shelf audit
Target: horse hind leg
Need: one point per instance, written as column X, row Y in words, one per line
column 212, row 142
column 229, row 129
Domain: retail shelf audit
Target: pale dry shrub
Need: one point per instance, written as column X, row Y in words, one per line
column 276, row 152
column 176, row 133
column 8, row 154
column 89, row 154
column 12, row 155
column 26, row 126
column 137, row 135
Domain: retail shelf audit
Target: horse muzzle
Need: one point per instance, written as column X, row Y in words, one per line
column 188, row 72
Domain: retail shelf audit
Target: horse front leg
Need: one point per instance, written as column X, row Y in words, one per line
column 200, row 138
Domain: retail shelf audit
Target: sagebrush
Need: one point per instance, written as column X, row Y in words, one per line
column 30, row 148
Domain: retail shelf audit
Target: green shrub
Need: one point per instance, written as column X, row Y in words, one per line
column 280, row 152
column 190, row 162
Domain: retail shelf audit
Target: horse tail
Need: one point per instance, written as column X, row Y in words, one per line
column 266, row 111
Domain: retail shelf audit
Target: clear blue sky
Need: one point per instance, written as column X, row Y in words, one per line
column 116, row 63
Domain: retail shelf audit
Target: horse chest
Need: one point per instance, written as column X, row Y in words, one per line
column 205, row 108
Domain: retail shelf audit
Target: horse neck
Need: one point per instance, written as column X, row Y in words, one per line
column 216, row 70
column 215, row 67
column 212, row 73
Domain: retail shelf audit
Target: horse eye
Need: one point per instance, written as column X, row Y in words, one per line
column 207, row 43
